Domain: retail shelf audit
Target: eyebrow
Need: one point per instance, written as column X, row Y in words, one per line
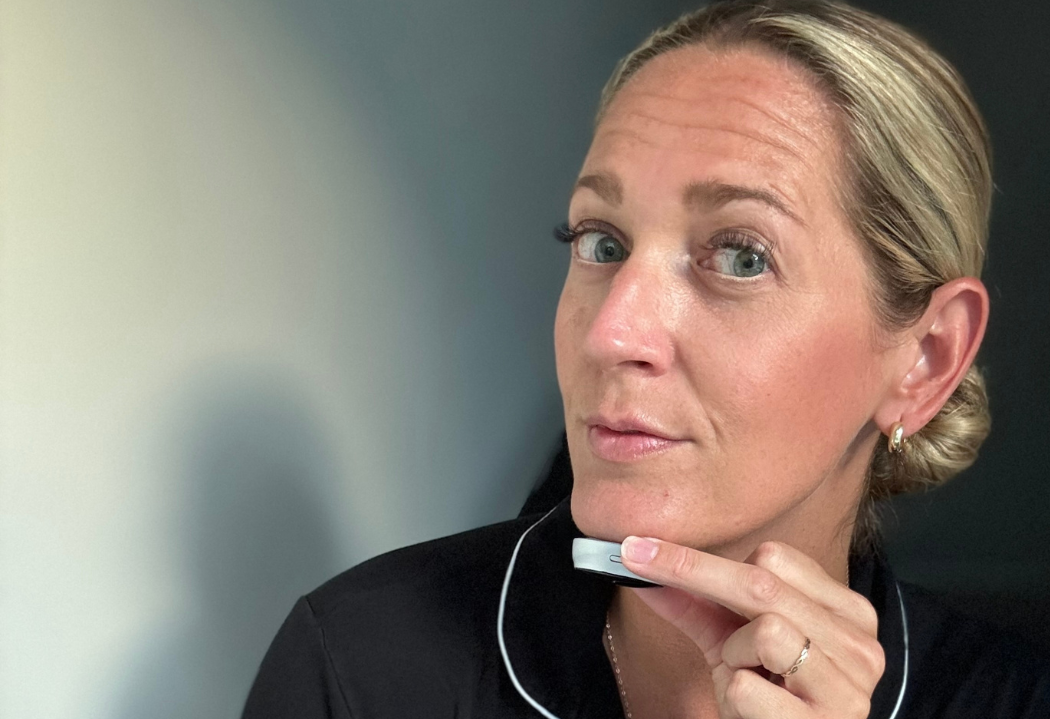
column 704, row 195
column 606, row 186
column 712, row 194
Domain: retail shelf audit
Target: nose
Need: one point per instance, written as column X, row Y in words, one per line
column 632, row 327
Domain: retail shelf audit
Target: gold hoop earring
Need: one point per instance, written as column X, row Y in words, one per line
column 895, row 440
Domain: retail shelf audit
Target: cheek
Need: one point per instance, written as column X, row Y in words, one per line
column 570, row 327
column 580, row 301
column 816, row 381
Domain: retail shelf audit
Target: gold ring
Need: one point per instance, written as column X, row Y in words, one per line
column 799, row 661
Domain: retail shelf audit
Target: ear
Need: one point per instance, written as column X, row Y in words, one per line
column 942, row 346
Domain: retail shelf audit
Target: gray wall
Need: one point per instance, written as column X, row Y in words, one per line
column 276, row 295
column 276, row 292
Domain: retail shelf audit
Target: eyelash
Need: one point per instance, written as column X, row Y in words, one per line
column 728, row 240
column 568, row 235
column 737, row 240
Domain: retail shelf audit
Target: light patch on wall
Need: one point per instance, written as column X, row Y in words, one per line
column 182, row 198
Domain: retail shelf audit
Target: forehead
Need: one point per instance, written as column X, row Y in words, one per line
column 737, row 114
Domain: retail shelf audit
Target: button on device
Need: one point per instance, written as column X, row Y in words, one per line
column 603, row 558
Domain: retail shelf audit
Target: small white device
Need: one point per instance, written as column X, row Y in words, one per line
column 600, row 557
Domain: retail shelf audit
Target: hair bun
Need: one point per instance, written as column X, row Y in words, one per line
column 947, row 445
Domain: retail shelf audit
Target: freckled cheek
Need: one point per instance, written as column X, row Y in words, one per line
column 570, row 329
column 812, row 386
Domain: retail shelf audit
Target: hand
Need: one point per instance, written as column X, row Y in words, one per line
column 751, row 620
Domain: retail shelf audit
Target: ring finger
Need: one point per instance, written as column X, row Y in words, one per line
column 772, row 642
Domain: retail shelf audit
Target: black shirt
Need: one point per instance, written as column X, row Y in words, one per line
column 496, row 622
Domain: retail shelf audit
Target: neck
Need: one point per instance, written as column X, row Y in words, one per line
column 664, row 673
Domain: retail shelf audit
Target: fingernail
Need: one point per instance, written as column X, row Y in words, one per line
column 638, row 549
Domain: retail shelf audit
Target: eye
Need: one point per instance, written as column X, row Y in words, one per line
column 592, row 245
column 738, row 255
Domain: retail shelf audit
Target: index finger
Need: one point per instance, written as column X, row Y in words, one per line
column 746, row 589
column 752, row 591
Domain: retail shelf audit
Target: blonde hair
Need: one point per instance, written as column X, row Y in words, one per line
column 918, row 196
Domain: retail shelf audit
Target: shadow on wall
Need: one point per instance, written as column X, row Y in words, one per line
column 255, row 534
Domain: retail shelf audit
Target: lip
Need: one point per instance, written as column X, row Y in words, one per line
column 626, row 439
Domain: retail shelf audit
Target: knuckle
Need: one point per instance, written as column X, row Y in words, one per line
column 858, row 705
column 762, row 586
column 869, row 618
column 863, row 613
column 772, row 633
column 683, row 565
column 740, row 687
column 876, row 659
column 869, row 655
column 769, row 555
column 770, row 630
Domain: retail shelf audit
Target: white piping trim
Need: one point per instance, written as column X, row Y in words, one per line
column 499, row 623
column 904, row 681
column 543, row 711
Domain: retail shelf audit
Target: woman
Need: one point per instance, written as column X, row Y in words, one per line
column 768, row 324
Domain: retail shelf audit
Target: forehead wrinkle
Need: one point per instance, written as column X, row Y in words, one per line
column 766, row 109
column 759, row 138
column 634, row 135
column 789, row 198
column 784, row 120
column 803, row 112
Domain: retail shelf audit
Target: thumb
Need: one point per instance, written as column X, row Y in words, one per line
column 707, row 623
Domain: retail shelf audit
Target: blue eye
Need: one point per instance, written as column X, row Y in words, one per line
column 740, row 262
column 593, row 246
column 739, row 256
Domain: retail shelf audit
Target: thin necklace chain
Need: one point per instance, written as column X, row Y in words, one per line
column 616, row 667
column 616, row 664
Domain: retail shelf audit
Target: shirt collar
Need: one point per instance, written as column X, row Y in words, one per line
column 552, row 618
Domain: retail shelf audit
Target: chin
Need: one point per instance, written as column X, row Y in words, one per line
column 612, row 510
